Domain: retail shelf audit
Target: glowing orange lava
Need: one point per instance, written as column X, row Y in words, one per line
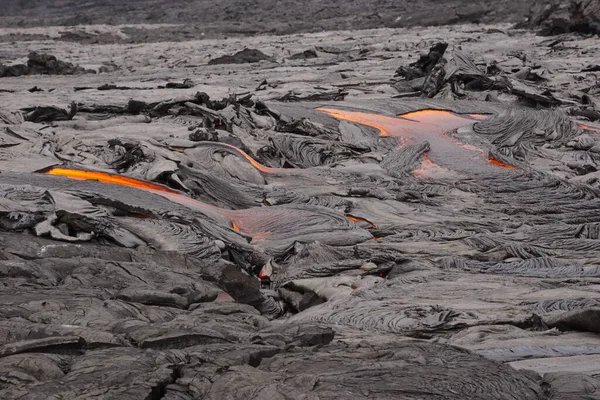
column 362, row 118
column 259, row 223
column 155, row 188
column 447, row 120
column 480, row 117
column 357, row 219
column 427, row 167
column 495, row 161
column 254, row 163
column 242, row 153
column 432, row 126
column 108, row 178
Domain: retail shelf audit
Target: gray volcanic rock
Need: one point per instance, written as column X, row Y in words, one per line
column 233, row 17
column 562, row 16
column 246, row 56
column 42, row 64
column 297, row 229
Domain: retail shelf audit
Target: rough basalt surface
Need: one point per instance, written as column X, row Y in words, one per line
column 389, row 215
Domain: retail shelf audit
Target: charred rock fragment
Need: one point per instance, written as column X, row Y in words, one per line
column 50, row 114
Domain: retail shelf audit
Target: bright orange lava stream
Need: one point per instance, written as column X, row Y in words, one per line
column 495, row 161
column 241, row 152
column 254, row 163
column 108, row 178
column 160, row 190
column 255, row 224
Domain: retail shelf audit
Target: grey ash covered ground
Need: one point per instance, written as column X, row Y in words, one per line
column 278, row 251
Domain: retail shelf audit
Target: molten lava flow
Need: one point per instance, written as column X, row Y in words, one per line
column 240, row 222
column 432, row 126
column 362, row 118
column 254, row 163
column 493, row 160
column 251, row 222
column 588, row 127
column 479, row 117
column 357, row 219
column 108, row 178
column 160, row 190
column 446, row 120
column 427, row 167
column 242, row 153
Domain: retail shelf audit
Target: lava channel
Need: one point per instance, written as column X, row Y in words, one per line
column 431, row 126
column 243, row 154
column 259, row 222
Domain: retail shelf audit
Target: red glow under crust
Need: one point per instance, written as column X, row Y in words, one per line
column 427, row 166
column 588, row 127
column 242, row 153
column 495, row 161
column 357, row 219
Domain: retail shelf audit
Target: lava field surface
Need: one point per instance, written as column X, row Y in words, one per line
column 387, row 213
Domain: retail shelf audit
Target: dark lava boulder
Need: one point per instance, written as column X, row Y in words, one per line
column 424, row 64
column 306, row 54
column 49, row 113
column 245, row 56
column 445, row 70
column 42, row 64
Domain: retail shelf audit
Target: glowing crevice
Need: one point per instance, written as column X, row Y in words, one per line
column 252, row 161
column 495, row 161
column 241, row 152
column 358, row 219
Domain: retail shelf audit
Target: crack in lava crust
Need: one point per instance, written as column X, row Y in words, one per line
column 430, row 126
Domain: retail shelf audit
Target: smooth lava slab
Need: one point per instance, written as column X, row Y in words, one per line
column 431, row 126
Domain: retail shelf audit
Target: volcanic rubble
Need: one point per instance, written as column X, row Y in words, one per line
column 439, row 240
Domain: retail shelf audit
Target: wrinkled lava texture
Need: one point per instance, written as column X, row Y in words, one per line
column 390, row 214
